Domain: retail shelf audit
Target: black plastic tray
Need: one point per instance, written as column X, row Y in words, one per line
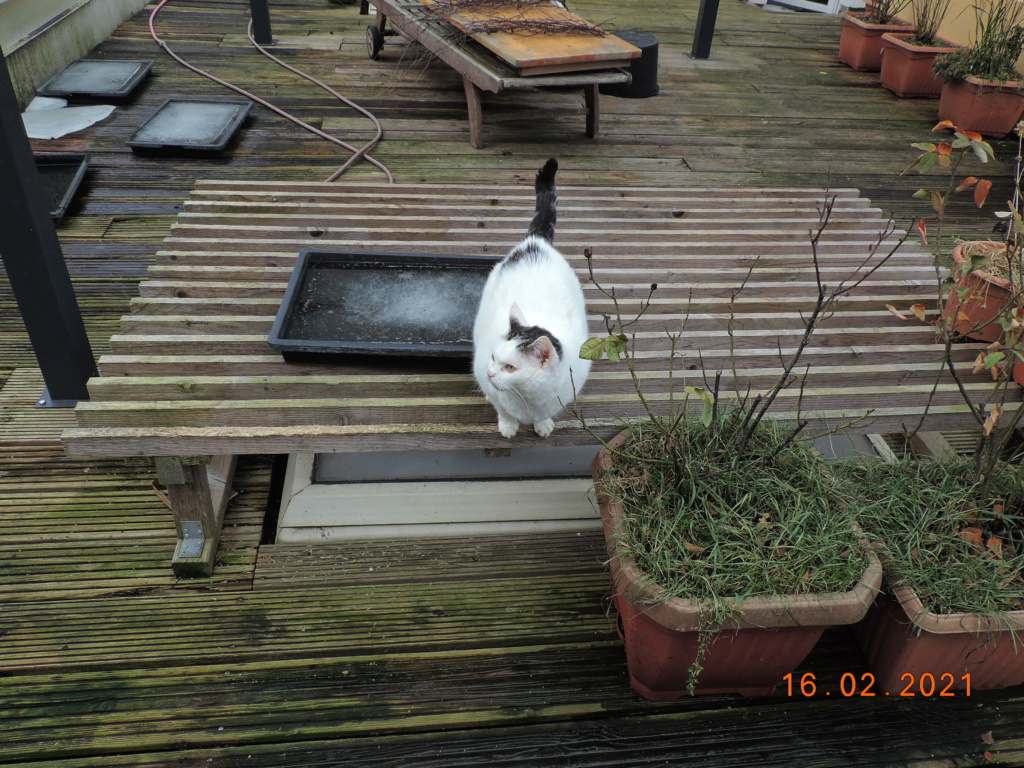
column 97, row 79
column 340, row 303
column 191, row 125
column 60, row 174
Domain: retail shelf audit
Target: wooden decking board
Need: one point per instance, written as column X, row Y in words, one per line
column 70, row 529
column 510, row 698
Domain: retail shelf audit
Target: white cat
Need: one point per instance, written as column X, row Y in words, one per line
column 530, row 326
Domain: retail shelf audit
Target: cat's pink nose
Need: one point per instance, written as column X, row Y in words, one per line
column 490, row 374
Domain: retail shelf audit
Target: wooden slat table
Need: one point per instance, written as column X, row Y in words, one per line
column 480, row 69
column 190, row 377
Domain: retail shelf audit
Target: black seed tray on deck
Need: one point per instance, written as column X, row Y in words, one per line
column 342, row 303
column 180, row 125
column 97, row 79
column 61, row 174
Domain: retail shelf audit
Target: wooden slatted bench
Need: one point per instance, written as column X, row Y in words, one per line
column 191, row 380
column 479, row 68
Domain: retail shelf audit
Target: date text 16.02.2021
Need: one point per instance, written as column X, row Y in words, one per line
column 925, row 684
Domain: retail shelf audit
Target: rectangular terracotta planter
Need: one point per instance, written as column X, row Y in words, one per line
column 860, row 43
column 972, row 104
column 907, row 68
column 913, row 651
column 765, row 639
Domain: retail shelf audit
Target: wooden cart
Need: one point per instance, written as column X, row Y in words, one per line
column 480, row 69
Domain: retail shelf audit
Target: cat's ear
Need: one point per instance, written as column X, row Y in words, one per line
column 516, row 321
column 543, row 351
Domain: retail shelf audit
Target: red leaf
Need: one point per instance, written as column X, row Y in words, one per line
column 896, row 312
column 990, row 421
column 922, row 231
column 942, row 125
column 967, row 183
column 981, row 192
column 944, row 148
column 987, row 738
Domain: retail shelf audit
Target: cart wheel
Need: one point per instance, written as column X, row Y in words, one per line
column 374, row 42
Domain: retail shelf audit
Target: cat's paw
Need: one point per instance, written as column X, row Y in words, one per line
column 544, row 428
column 508, row 427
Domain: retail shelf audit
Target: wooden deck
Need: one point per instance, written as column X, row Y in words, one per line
column 431, row 652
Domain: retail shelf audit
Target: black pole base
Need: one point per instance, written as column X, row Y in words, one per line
column 45, row 401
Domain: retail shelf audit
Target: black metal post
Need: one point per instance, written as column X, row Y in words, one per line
column 34, row 262
column 706, row 18
column 261, row 22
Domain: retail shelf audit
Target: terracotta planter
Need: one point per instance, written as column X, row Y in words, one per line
column 860, row 43
column 749, row 656
column 907, row 68
column 989, row 108
column 911, row 650
column 985, row 300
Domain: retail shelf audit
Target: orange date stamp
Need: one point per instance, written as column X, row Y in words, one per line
column 924, row 685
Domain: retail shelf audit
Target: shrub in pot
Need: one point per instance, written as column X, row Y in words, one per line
column 985, row 299
column 982, row 90
column 908, row 57
column 951, row 529
column 952, row 544
column 731, row 547
column 860, row 44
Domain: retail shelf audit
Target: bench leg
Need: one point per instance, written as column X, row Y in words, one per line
column 476, row 114
column 591, row 96
column 199, row 489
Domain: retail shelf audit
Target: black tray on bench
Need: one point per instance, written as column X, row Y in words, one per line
column 342, row 303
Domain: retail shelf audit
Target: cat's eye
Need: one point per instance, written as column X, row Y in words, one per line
column 509, row 368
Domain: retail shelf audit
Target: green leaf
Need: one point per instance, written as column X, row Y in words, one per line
column 616, row 345
column 923, row 146
column 927, row 162
column 593, row 349
column 994, row 359
column 709, row 403
column 982, row 150
column 922, row 194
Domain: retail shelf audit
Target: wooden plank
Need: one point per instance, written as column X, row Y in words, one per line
column 540, row 51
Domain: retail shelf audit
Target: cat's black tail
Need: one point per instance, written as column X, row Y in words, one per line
column 543, row 224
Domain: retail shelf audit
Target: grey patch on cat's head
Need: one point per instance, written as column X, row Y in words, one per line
column 526, row 336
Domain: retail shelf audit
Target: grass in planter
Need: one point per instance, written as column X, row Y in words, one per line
column 720, row 522
column 959, row 551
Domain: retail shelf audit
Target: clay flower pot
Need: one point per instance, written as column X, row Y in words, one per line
column 860, row 43
column 987, row 107
column 907, row 68
column 913, row 651
column 765, row 639
column 986, row 298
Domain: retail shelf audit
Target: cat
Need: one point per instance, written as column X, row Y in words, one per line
column 530, row 325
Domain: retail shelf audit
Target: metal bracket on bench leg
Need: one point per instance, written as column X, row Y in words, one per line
column 199, row 488
column 193, row 538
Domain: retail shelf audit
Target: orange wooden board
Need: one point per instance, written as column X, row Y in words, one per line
column 541, row 52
